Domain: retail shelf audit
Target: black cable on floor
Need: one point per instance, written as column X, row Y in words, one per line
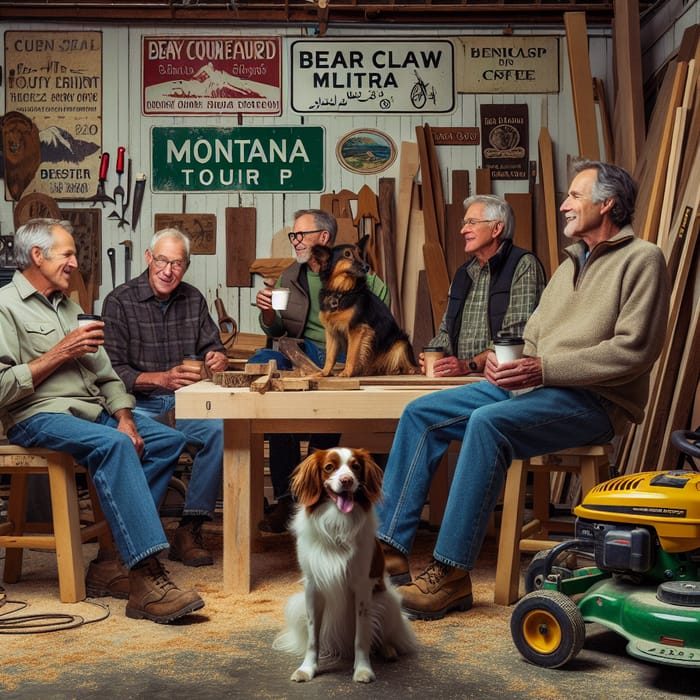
column 40, row 623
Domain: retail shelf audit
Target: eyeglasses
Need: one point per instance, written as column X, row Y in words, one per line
column 298, row 236
column 161, row 263
column 471, row 222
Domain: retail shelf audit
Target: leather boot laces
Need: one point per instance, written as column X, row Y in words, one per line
column 435, row 572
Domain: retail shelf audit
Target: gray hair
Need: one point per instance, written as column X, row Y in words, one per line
column 496, row 209
column 612, row 182
column 36, row 233
column 171, row 233
column 323, row 220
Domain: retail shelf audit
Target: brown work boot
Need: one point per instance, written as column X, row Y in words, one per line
column 436, row 591
column 187, row 546
column 107, row 576
column 396, row 565
column 153, row 596
column 277, row 519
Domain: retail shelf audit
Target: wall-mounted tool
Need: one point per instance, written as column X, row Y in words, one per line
column 127, row 259
column 111, row 254
column 139, row 189
column 101, row 195
column 125, row 197
column 119, row 190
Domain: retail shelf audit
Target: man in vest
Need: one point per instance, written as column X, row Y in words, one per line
column 495, row 291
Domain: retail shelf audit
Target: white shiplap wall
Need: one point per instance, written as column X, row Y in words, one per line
column 125, row 125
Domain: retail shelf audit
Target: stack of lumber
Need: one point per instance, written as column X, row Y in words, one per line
column 668, row 174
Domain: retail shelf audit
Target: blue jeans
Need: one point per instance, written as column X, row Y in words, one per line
column 207, row 438
column 285, row 448
column 314, row 352
column 129, row 489
column 494, row 428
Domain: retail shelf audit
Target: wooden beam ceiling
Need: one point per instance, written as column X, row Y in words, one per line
column 338, row 12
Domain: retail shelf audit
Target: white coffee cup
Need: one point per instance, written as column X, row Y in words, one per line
column 280, row 298
column 87, row 319
column 508, row 348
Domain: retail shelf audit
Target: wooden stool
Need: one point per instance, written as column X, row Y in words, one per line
column 67, row 536
column 591, row 462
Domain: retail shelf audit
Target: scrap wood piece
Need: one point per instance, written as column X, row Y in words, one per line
column 582, row 84
column 604, row 113
column 684, row 389
column 436, row 182
column 285, row 383
column 366, row 220
column 240, row 245
column 483, row 181
column 546, row 152
column 262, row 384
column 387, row 236
column 628, row 115
column 334, row 383
column 408, row 169
column 289, row 347
column 655, row 164
column 433, row 253
column 232, row 379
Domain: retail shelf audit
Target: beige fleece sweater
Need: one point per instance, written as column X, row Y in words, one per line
column 601, row 322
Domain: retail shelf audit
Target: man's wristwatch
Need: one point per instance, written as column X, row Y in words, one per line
column 473, row 367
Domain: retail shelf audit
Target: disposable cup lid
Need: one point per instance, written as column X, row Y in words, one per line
column 433, row 348
column 509, row 340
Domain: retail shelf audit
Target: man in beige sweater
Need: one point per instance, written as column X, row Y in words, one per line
column 589, row 348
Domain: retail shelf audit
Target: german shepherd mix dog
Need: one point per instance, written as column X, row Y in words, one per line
column 356, row 319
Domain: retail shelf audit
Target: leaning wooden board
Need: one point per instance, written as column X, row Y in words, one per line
column 240, row 245
column 582, row 84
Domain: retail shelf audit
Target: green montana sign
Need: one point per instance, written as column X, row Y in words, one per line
column 259, row 159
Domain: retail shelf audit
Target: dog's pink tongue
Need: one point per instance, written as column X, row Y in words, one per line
column 345, row 502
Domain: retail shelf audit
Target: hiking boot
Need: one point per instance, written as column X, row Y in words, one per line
column 396, row 565
column 437, row 591
column 107, row 576
column 153, row 596
column 187, row 546
column 278, row 517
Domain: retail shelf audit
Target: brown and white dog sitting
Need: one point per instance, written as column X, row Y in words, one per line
column 348, row 607
column 356, row 319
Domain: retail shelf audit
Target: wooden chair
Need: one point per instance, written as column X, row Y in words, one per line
column 591, row 463
column 65, row 535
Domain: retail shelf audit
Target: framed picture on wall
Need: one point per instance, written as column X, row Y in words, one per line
column 366, row 151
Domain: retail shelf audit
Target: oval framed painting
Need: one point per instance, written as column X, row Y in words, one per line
column 365, row 151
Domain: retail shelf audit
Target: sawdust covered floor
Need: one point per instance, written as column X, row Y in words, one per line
column 225, row 651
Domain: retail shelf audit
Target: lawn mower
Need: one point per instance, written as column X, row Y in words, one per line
column 639, row 535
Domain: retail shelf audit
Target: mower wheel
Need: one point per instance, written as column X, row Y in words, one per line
column 535, row 574
column 547, row 628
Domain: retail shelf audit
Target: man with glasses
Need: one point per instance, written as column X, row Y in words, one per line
column 589, row 349
column 58, row 391
column 496, row 290
column 299, row 320
column 152, row 323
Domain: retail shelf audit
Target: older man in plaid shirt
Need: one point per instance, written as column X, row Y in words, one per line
column 152, row 323
column 495, row 291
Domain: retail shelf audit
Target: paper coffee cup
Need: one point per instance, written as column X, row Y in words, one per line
column 429, row 356
column 196, row 362
column 508, row 348
column 87, row 319
column 280, row 297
